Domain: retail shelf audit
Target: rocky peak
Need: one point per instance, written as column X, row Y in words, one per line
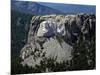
column 53, row 36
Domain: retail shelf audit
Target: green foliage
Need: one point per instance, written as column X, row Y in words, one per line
column 50, row 64
column 18, row 68
column 84, row 54
column 18, row 39
column 18, row 32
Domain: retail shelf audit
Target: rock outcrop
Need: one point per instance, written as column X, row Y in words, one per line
column 53, row 36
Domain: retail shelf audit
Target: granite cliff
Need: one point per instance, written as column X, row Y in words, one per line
column 54, row 37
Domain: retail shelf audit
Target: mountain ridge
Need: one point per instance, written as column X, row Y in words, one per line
column 33, row 8
column 78, row 8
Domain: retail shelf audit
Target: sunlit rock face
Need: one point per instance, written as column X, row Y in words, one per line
column 59, row 51
column 50, row 28
column 47, row 29
column 53, row 37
